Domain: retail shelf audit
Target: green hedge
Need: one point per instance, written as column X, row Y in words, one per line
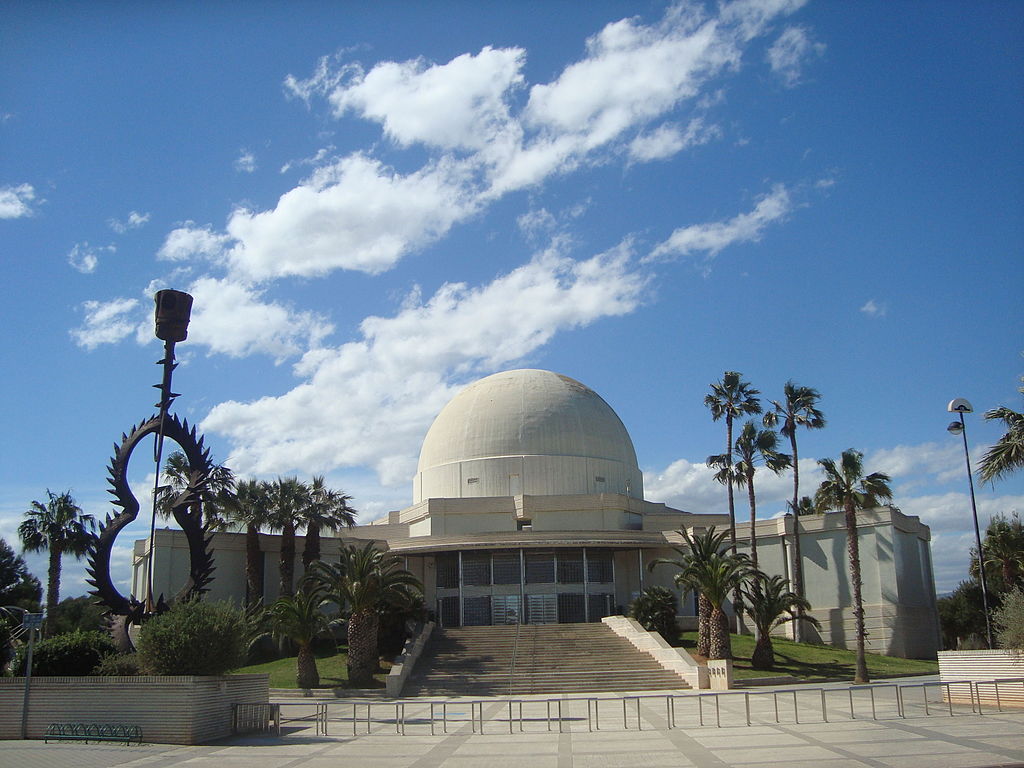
column 193, row 638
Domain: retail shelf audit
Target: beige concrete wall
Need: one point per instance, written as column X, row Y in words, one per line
column 169, row 710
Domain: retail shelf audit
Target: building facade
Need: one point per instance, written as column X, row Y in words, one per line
column 528, row 506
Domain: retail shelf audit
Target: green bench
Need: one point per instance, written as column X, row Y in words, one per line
column 93, row 732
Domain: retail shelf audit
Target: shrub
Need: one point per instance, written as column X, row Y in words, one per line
column 117, row 665
column 70, row 655
column 193, row 638
column 655, row 610
column 1009, row 621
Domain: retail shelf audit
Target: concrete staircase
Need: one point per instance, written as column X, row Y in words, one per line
column 539, row 658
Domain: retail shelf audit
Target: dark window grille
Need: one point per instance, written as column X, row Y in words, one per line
column 476, row 611
column 600, row 606
column 476, row 569
column 540, row 568
column 448, row 611
column 570, row 566
column 448, row 570
column 599, row 567
column 571, row 609
column 506, row 567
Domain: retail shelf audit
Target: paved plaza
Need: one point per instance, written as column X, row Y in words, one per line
column 918, row 740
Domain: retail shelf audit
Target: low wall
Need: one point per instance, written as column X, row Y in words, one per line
column 982, row 667
column 403, row 665
column 170, row 710
column 674, row 659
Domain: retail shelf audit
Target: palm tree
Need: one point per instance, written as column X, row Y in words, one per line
column 365, row 580
column 847, row 488
column 1007, row 455
column 288, row 498
column 712, row 571
column 730, row 398
column 772, row 604
column 1003, row 548
column 327, row 508
column 754, row 446
column 299, row 618
column 797, row 409
column 60, row 527
column 219, row 485
column 249, row 506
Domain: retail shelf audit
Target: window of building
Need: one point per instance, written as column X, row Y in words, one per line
column 447, row 570
column 570, row 566
column 448, row 611
column 505, row 567
column 600, row 566
column 572, row 608
column 476, row 611
column 476, row 569
column 540, row 567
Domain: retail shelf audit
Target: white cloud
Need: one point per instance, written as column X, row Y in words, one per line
column 375, row 397
column 134, row 221
column 85, row 258
column 458, row 105
column 353, row 214
column 190, row 240
column 16, row 202
column 788, row 53
column 714, row 237
column 232, row 319
column 107, row 322
column 245, row 162
column 666, row 140
column 872, row 308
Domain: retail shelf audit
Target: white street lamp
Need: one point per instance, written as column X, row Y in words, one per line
column 961, row 406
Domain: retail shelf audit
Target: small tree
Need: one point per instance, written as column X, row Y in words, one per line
column 193, row 638
column 300, row 619
column 772, row 604
column 1009, row 621
column 17, row 585
column 655, row 610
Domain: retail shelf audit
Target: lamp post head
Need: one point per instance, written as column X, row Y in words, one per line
column 173, row 310
column 955, row 428
column 960, row 405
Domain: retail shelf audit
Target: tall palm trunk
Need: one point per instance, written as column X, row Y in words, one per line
column 52, row 585
column 861, row 676
column 703, row 625
column 287, row 558
column 798, row 569
column 753, row 518
column 362, row 647
column 737, row 599
column 311, row 551
column 253, row 561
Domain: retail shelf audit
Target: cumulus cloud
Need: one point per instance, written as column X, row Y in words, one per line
column 16, row 201
column 712, row 238
column 107, row 322
column 245, row 162
column 666, row 140
column 234, row 319
column 133, row 221
column 85, row 258
column 789, row 52
column 872, row 308
column 376, row 396
column 190, row 240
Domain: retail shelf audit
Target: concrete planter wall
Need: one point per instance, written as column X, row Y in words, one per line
column 404, row 664
column 170, row 710
column 982, row 667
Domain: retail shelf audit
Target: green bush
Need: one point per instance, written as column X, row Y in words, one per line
column 117, row 665
column 73, row 654
column 1009, row 621
column 193, row 638
column 655, row 611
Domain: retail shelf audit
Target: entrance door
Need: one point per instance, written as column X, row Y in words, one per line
column 505, row 609
column 542, row 609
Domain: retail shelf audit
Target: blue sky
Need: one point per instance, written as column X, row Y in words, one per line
column 376, row 204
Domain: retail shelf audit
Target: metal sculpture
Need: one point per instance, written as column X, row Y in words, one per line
column 172, row 315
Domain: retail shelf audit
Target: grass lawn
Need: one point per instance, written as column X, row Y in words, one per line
column 331, row 665
column 814, row 663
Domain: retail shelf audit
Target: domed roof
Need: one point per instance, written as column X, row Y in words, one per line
column 534, row 413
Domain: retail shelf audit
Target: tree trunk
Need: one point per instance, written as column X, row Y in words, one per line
column 753, row 518
column 703, row 625
column 253, row 572
column 362, row 647
column 764, row 654
column 52, row 586
column 798, row 569
column 287, row 559
column 737, row 599
column 721, row 643
column 311, row 552
column 861, row 675
column 306, row 675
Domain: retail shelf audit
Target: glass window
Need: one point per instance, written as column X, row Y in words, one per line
column 506, row 609
column 540, row 567
column 448, row 611
column 476, row 611
column 506, row 567
column 476, row 569
column 600, row 568
column 541, row 609
column 571, row 609
column 570, row 566
column 600, row 606
column 448, row 570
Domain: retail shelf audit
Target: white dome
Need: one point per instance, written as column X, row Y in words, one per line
column 526, row 432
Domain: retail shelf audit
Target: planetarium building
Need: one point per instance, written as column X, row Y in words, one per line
column 528, row 506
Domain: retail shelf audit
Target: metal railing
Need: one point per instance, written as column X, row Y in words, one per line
column 798, row 705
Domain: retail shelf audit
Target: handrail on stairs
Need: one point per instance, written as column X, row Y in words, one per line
column 512, row 668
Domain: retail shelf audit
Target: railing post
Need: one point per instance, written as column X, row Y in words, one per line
column 559, row 715
column 700, row 707
column 824, row 710
column 746, row 705
column 796, row 711
column 850, row 691
column 718, row 710
column 639, row 723
column 431, row 718
column 872, row 692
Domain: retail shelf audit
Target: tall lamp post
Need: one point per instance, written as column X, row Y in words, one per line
column 961, row 406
